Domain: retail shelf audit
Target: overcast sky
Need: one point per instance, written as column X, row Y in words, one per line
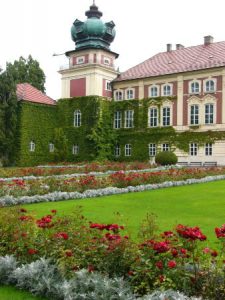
column 143, row 28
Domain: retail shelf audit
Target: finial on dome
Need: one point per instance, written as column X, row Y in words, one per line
column 93, row 2
column 93, row 12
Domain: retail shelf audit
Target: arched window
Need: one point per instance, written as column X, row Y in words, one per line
column 32, row 146
column 210, row 86
column 118, row 95
column 77, row 118
column 195, row 87
column 153, row 91
column 167, row 90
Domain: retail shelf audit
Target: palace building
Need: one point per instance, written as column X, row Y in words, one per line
column 173, row 101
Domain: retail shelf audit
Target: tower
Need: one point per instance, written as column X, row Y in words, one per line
column 91, row 64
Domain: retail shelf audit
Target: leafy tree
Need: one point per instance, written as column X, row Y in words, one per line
column 27, row 70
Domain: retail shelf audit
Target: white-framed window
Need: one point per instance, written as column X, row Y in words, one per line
column 128, row 150
column 75, row 149
column 194, row 87
column 51, row 147
column 152, row 149
column 80, row 60
column 106, row 61
column 117, row 150
column 153, row 91
column 165, row 147
column 153, row 117
column 209, row 113
column 117, row 119
column 32, row 146
column 210, row 86
column 129, row 94
column 194, row 114
column 118, row 95
column 77, row 118
column 167, row 90
column 129, row 119
column 193, row 149
column 108, row 86
column 208, row 149
column 166, row 116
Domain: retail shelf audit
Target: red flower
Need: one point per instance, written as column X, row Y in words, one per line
column 159, row 265
column 69, row 253
column 161, row 278
column 192, row 233
column 130, row 273
column 91, row 268
column 32, row 251
column 206, row 250
column 24, row 218
column 62, row 235
column 161, row 247
column 171, row 264
column 167, row 234
column 214, row 253
column 23, row 210
column 174, row 252
column 220, row 232
column 53, row 211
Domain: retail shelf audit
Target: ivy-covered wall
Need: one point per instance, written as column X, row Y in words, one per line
column 96, row 136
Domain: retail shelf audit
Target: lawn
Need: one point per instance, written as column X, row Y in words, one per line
column 200, row 205
column 11, row 293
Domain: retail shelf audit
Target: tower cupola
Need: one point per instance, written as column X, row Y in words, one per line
column 93, row 33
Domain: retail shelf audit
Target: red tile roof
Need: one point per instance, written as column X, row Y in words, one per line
column 27, row 92
column 177, row 61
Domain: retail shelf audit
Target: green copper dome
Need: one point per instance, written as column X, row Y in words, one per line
column 93, row 33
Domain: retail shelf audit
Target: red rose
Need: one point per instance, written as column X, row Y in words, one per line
column 53, row 211
column 69, row 253
column 23, row 210
column 62, row 235
column 171, row 264
column 214, row 253
column 159, row 265
column 32, row 251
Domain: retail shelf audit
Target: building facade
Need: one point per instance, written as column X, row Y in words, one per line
column 174, row 101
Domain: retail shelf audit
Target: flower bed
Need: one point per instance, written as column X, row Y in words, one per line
column 76, row 248
column 54, row 189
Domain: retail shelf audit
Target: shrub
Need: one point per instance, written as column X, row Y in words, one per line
column 166, row 158
column 169, row 294
column 7, row 265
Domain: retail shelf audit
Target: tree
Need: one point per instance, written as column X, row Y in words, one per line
column 27, row 70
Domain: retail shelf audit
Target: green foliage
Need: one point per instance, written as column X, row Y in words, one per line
column 61, row 145
column 27, row 70
column 165, row 158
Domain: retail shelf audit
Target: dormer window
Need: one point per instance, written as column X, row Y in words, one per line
column 194, row 87
column 167, row 90
column 210, row 86
column 153, row 91
column 80, row 60
column 129, row 94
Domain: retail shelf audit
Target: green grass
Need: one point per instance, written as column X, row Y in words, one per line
column 200, row 205
column 11, row 293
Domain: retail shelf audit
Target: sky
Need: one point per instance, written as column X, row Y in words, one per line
column 143, row 28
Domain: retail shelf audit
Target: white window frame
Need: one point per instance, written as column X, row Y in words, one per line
column 117, row 150
column 194, row 116
column 127, row 150
column 165, row 147
column 193, row 149
column 167, row 89
column 151, row 91
column 209, row 89
column 80, row 60
column 106, row 61
column 152, row 149
column 108, row 86
column 32, row 146
column 130, row 93
column 193, row 89
column 128, row 119
column 208, row 149
column 51, row 147
column 210, row 115
column 167, row 117
column 117, row 119
column 77, row 118
column 153, row 119
column 118, row 95
column 75, row 149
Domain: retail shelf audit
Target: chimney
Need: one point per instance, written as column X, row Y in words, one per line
column 169, row 47
column 179, row 47
column 208, row 40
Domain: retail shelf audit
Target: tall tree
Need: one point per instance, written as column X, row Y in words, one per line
column 27, row 70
